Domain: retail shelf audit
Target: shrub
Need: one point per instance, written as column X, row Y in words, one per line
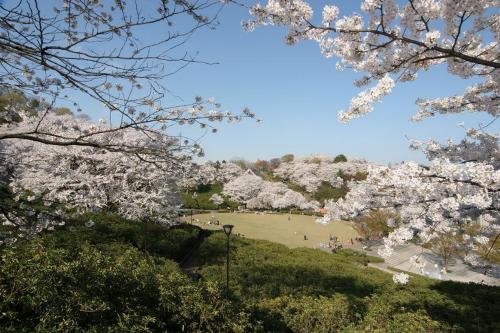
column 340, row 158
column 116, row 288
column 311, row 290
column 287, row 158
column 374, row 225
column 326, row 192
column 170, row 242
column 312, row 314
column 357, row 256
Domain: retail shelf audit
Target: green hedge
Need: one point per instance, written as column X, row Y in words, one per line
column 306, row 290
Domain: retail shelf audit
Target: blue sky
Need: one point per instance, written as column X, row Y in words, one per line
column 297, row 93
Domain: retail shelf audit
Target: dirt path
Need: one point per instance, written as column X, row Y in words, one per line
column 191, row 262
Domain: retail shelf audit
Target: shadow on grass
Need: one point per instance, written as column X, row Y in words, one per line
column 476, row 307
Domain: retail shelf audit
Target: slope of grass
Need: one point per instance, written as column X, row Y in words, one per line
column 309, row 290
column 118, row 276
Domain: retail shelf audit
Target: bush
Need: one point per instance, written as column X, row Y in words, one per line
column 374, row 224
column 308, row 314
column 357, row 256
column 327, row 192
column 287, row 158
column 116, row 288
column 303, row 290
column 101, row 280
column 340, row 158
column 169, row 242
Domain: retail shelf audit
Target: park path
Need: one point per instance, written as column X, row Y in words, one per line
column 457, row 269
column 191, row 261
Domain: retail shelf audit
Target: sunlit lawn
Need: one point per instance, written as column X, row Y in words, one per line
column 277, row 228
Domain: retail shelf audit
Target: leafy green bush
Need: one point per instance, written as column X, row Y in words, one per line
column 308, row 314
column 326, row 192
column 115, row 288
column 340, row 158
column 374, row 224
column 357, row 256
column 100, row 279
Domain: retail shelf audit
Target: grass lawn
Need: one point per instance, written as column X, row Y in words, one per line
column 277, row 228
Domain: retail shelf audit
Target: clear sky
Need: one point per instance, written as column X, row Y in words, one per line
column 297, row 93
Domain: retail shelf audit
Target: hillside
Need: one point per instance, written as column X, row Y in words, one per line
column 304, row 183
column 121, row 276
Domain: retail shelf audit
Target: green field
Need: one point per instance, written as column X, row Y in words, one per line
column 277, row 228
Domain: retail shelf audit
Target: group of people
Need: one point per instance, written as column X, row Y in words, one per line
column 335, row 244
column 213, row 222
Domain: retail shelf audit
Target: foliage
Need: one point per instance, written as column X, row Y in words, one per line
column 97, row 280
column 446, row 245
column 327, row 192
column 303, row 289
column 374, row 225
column 340, row 158
column 357, row 256
column 287, row 158
column 306, row 314
column 156, row 239
column 15, row 99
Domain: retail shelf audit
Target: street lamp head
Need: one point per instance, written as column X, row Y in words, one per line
column 227, row 229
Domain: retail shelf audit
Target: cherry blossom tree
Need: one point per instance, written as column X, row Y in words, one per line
column 64, row 51
column 209, row 173
column 243, row 188
column 390, row 43
column 309, row 173
column 97, row 49
column 256, row 193
column 76, row 179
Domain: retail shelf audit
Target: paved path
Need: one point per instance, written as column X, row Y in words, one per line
column 457, row 269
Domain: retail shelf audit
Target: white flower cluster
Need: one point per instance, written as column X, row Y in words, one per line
column 309, row 173
column 83, row 177
column 400, row 278
column 209, row 173
column 217, row 199
column 259, row 194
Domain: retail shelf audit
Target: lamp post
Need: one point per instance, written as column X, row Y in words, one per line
column 227, row 230
column 194, row 196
